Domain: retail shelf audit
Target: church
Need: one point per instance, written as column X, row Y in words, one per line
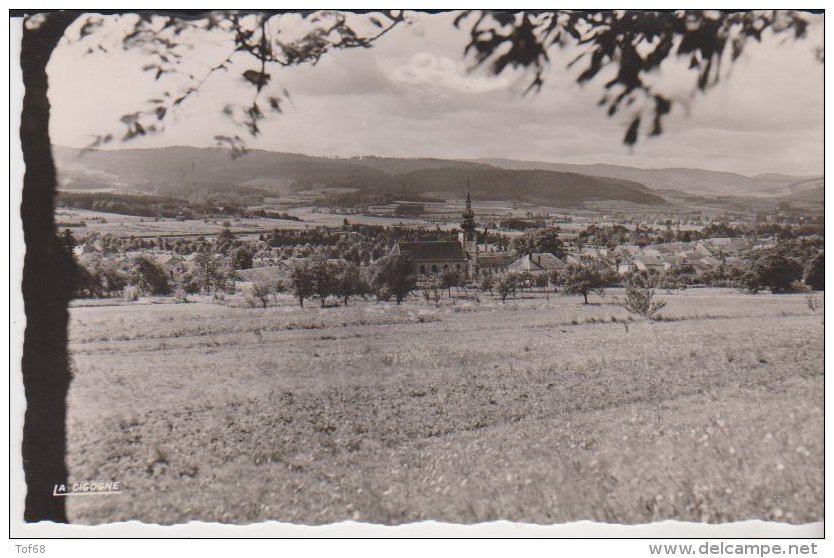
column 430, row 257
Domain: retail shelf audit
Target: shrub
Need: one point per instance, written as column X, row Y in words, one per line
column 260, row 293
column 487, row 283
column 640, row 298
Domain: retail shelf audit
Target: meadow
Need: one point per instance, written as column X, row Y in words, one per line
column 540, row 410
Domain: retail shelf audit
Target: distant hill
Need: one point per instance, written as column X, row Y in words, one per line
column 807, row 190
column 179, row 170
column 690, row 181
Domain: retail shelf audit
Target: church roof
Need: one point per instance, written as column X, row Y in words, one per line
column 440, row 250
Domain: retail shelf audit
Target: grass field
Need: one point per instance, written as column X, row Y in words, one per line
column 537, row 410
column 147, row 227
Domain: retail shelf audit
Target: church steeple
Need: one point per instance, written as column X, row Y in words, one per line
column 468, row 222
column 467, row 236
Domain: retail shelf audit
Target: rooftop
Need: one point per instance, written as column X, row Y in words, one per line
column 441, row 250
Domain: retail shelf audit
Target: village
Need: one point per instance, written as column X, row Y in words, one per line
column 539, row 256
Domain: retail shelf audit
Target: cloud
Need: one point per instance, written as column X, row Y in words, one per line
column 413, row 94
column 426, row 68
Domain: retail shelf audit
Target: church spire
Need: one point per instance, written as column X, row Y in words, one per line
column 468, row 196
column 468, row 223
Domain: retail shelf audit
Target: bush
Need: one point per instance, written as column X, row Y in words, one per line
column 260, row 293
column 487, row 283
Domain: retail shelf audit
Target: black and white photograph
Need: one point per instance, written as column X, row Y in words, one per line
column 387, row 267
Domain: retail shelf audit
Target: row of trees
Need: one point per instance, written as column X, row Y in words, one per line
column 321, row 278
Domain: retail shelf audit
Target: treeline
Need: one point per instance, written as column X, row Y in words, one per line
column 196, row 207
column 615, row 235
column 124, row 204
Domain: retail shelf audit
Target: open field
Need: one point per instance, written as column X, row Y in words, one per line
column 148, row 227
column 537, row 410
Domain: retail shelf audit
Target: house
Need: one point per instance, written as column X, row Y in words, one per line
column 705, row 265
column 492, row 263
column 626, row 252
column 702, row 250
column 540, row 263
column 672, row 261
column 649, row 263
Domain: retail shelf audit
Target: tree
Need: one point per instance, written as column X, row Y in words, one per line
column 242, row 258
column 349, row 282
column 302, row 282
column 506, row 284
column 450, row 278
column 209, row 271
column 554, row 277
column 149, row 277
column 640, row 297
column 87, row 283
column 112, row 279
column 542, row 240
column 582, row 279
column 815, row 276
column 262, row 291
column 323, row 277
column 777, row 272
column 750, row 281
column 394, row 275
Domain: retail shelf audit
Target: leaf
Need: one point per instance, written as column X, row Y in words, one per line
column 256, row 78
column 631, row 134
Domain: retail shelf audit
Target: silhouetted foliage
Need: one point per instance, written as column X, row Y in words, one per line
column 632, row 43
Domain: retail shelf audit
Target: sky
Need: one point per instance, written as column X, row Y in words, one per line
column 415, row 94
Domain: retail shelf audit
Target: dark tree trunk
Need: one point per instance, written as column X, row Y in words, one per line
column 47, row 286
